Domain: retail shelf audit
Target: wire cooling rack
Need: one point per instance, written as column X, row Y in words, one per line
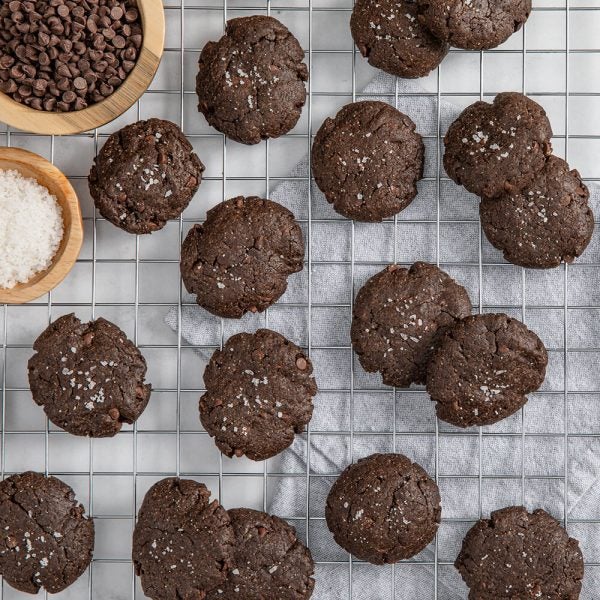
column 134, row 281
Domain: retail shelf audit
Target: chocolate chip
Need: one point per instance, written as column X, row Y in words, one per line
column 63, row 10
column 116, row 13
column 301, row 363
column 80, row 83
column 114, row 413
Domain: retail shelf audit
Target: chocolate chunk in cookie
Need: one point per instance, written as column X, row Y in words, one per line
column 259, row 391
column 473, row 24
column 388, row 33
column 183, row 543
column 145, row 174
column 384, row 508
column 399, row 315
column 482, row 369
column 45, row 539
column 240, row 259
column 517, row 554
column 547, row 223
column 368, row 160
column 499, row 147
column 250, row 83
column 268, row 560
column 88, row 377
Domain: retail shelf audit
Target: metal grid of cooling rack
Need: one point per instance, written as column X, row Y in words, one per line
column 111, row 476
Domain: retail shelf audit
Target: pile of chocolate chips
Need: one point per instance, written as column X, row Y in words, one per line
column 63, row 55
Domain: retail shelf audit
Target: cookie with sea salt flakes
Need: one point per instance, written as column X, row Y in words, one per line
column 144, row 175
column 88, row 377
column 239, row 260
column 518, row 554
column 383, row 509
column 251, row 83
column 399, row 315
column 483, row 368
column 547, row 223
column 499, row 147
column 268, row 559
column 367, row 160
column 259, row 391
column 389, row 35
column 183, row 542
column 46, row 541
column 473, row 24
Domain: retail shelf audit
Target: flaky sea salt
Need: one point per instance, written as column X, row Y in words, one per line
column 31, row 228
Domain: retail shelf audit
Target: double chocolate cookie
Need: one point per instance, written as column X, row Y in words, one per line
column 383, row 508
column 398, row 317
column 368, row 160
column 88, row 377
column 547, row 223
column 145, row 174
column 183, row 543
column 498, row 148
column 268, row 560
column 389, row 34
column 250, row 83
column 259, row 391
column 45, row 539
column 240, row 259
column 483, row 368
column 473, row 24
column 517, row 554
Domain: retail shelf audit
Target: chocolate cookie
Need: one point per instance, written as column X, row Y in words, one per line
column 250, row 83
column 516, row 554
column 240, row 259
column 383, row 508
column 145, row 174
column 482, row 369
column 499, row 147
column 268, row 559
column 182, row 543
column 388, row 33
column 473, row 24
column 367, row 161
column 398, row 317
column 88, row 377
column 45, row 539
column 259, row 391
column 547, row 223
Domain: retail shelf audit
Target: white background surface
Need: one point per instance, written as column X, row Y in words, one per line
column 134, row 281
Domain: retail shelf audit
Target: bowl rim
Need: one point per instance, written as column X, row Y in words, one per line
column 65, row 258
column 24, row 118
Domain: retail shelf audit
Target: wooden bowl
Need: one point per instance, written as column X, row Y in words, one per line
column 22, row 117
column 46, row 174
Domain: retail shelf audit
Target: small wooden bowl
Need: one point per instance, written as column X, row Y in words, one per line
column 46, row 174
column 22, row 117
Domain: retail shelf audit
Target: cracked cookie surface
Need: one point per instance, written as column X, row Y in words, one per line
column 268, row 560
column 482, row 369
column 88, row 377
column 383, row 509
column 251, row 83
column 183, row 542
column 398, row 316
column 389, row 35
column 518, row 554
column 145, row 174
column 240, row 258
column 367, row 160
column 549, row 222
column 473, row 24
column 259, row 391
column 45, row 539
column 499, row 147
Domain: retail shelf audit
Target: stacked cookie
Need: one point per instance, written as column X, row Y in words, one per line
column 409, row 38
column 534, row 208
column 414, row 326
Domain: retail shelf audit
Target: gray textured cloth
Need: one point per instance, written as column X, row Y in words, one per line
column 355, row 414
